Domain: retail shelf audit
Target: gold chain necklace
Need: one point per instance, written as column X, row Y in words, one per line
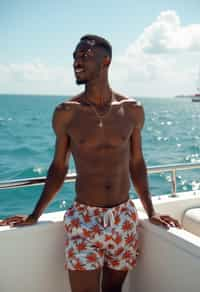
column 101, row 117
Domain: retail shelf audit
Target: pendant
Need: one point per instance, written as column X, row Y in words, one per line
column 100, row 124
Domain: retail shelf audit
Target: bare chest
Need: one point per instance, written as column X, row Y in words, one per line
column 90, row 130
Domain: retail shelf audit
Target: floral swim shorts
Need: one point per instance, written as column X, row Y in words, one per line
column 98, row 236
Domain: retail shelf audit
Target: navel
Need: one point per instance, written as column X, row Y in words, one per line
column 123, row 138
column 108, row 186
column 82, row 141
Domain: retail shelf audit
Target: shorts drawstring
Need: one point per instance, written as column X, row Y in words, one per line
column 108, row 219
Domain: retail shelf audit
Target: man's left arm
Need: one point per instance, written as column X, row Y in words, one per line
column 138, row 172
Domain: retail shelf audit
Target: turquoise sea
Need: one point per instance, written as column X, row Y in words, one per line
column 171, row 135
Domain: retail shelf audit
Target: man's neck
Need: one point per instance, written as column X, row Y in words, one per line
column 98, row 94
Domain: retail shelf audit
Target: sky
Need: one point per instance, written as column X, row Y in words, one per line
column 156, row 45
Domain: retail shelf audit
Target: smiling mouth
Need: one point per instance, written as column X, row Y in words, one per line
column 79, row 70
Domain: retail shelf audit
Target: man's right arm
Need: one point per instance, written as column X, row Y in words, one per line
column 56, row 173
column 59, row 166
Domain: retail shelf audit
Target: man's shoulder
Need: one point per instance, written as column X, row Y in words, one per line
column 67, row 109
column 130, row 101
column 134, row 108
column 64, row 112
column 68, row 104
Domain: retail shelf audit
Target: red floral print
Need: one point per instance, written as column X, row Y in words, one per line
column 101, row 236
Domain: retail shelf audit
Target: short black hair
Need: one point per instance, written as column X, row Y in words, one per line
column 95, row 40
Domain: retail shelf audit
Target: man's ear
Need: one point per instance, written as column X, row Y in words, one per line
column 107, row 61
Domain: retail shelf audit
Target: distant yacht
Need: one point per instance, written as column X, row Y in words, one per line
column 185, row 96
column 195, row 97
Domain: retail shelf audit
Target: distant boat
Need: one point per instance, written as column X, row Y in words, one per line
column 185, row 96
column 196, row 97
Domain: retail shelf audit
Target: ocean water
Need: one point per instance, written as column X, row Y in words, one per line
column 171, row 135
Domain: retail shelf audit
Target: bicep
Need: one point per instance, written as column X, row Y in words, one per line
column 136, row 145
column 62, row 145
column 62, row 150
column 136, row 137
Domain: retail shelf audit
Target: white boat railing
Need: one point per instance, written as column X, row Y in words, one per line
column 71, row 177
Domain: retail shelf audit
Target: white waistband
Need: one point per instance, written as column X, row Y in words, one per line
column 108, row 219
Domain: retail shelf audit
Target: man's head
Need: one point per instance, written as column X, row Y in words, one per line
column 92, row 57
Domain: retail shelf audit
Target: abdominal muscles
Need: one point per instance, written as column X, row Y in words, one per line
column 103, row 177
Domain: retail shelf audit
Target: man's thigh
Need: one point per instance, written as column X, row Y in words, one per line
column 112, row 280
column 85, row 280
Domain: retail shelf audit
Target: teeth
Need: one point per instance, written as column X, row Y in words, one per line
column 79, row 70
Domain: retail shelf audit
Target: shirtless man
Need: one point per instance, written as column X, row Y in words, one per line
column 102, row 130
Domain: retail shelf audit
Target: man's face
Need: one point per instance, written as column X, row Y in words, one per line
column 87, row 63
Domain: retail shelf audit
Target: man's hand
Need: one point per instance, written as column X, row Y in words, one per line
column 19, row 220
column 164, row 220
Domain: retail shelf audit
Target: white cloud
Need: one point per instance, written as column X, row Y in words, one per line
column 36, row 77
column 166, row 35
column 163, row 61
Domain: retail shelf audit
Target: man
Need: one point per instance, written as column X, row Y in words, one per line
column 102, row 130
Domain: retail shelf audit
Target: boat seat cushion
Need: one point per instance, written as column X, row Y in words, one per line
column 191, row 221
